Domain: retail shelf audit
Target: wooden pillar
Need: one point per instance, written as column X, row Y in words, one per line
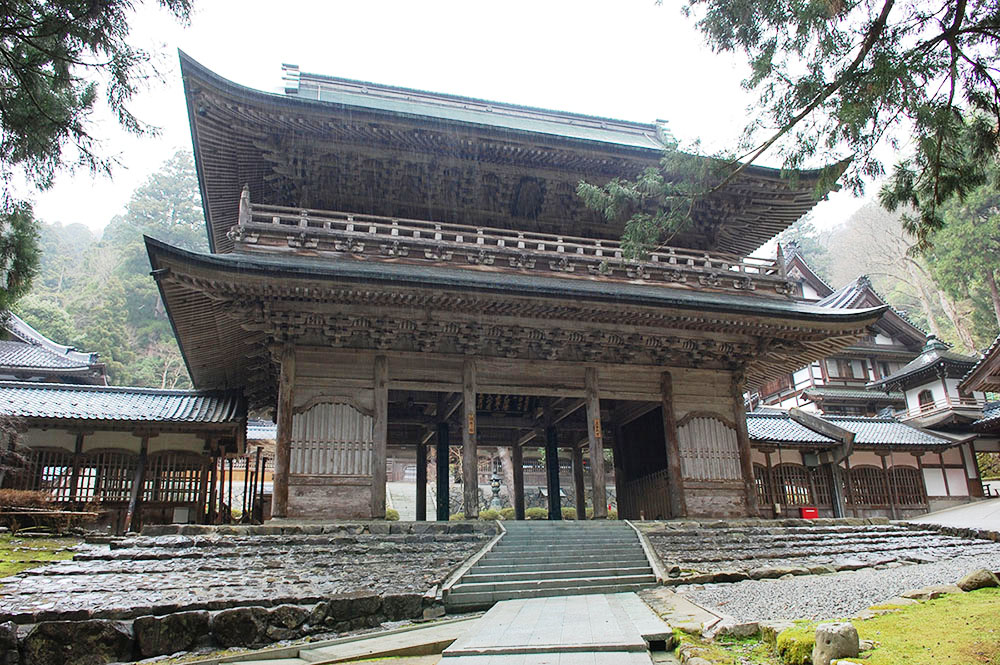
column 849, row 484
column 678, row 506
column 616, row 452
column 579, row 487
column 598, row 483
column 552, row 471
column 212, row 477
column 889, row 494
column 222, row 487
column 976, row 483
column 944, row 472
column 283, row 437
column 74, row 480
column 443, row 496
column 743, row 440
column 517, row 461
column 470, row 459
column 421, row 481
column 138, row 481
column 229, row 512
column 380, row 433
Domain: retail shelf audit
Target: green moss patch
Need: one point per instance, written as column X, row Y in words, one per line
column 795, row 645
column 957, row 629
column 18, row 554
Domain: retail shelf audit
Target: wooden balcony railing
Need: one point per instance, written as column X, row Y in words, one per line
column 316, row 232
column 947, row 403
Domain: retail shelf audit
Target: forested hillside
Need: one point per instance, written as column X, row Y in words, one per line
column 97, row 293
column 949, row 291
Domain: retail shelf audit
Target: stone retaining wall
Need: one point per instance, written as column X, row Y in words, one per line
column 105, row 640
column 178, row 587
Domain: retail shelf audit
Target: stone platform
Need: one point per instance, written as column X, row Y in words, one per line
column 734, row 550
column 175, row 568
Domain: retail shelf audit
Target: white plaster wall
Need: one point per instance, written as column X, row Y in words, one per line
column 952, row 456
column 934, row 480
column 758, row 457
column 970, row 461
column 177, row 441
column 902, row 459
column 957, row 482
column 50, row 438
column 934, row 385
column 865, row 457
column 802, row 376
column 809, row 292
column 122, row 440
column 882, row 339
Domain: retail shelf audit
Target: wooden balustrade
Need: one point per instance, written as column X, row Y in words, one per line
column 946, row 403
column 269, row 227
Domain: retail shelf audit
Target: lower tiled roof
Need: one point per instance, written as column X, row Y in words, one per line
column 772, row 426
column 991, row 417
column 73, row 402
column 25, row 355
column 837, row 392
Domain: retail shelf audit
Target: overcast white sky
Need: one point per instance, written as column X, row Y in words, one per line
column 626, row 59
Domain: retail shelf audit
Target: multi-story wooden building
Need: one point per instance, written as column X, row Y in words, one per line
column 392, row 267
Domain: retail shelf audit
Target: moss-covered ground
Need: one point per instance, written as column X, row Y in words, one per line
column 18, row 553
column 957, row 629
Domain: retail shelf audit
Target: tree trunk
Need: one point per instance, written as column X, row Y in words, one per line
column 957, row 320
column 507, row 470
column 994, row 292
column 925, row 301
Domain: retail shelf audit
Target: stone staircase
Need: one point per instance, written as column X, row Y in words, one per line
column 535, row 559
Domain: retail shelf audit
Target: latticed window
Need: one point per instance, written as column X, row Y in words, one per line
column 173, row 478
column 793, row 484
column 821, row 481
column 109, row 476
column 49, row 470
column 763, row 484
column 909, row 484
column 868, row 486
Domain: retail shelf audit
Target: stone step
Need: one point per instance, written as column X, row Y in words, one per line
column 578, row 548
column 545, row 583
column 482, row 599
column 501, row 566
column 542, row 558
column 478, row 576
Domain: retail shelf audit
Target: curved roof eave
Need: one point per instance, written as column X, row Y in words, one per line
column 403, row 275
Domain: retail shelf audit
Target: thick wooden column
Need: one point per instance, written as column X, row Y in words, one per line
column 743, row 441
column 552, row 471
column 598, row 484
column 678, row 506
column 74, row 480
column 283, row 437
column 443, row 498
column 616, row 452
column 890, row 494
column 380, row 434
column 517, row 461
column 421, row 481
column 470, row 459
column 138, row 481
column 578, row 485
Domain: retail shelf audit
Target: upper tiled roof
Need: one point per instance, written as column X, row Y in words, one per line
column 835, row 392
column 771, row 426
column 934, row 353
column 23, row 354
column 986, row 367
column 261, row 429
column 991, row 417
column 65, row 401
column 861, row 293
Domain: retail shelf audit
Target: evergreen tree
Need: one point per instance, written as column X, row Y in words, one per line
column 54, row 52
column 836, row 78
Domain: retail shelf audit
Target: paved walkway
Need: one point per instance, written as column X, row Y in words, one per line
column 976, row 515
column 403, row 498
column 597, row 629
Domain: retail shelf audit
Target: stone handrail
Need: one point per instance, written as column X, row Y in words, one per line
column 319, row 231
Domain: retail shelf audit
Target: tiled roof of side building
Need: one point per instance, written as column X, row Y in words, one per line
column 989, row 356
column 259, row 430
column 852, row 293
column 15, row 354
column 73, row 402
column 934, row 353
column 991, row 417
column 778, row 427
column 836, row 392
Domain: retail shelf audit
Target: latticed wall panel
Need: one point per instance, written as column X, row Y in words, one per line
column 173, row 478
column 709, row 450
column 909, row 485
column 868, row 486
column 332, row 440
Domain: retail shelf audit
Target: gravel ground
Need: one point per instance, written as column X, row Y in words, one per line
column 831, row 596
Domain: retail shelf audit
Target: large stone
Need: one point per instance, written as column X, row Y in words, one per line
column 92, row 642
column 288, row 616
column 931, row 592
column 240, row 626
column 771, row 572
column 834, row 640
column 350, row 606
column 402, row 606
column 978, row 579
column 8, row 644
column 159, row 636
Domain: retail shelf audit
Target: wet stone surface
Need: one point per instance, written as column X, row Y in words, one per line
column 141, row 575
column 770, row 549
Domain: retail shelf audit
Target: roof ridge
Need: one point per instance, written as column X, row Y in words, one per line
column 112, row 389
